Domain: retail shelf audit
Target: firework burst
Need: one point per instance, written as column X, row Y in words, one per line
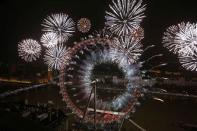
column 29, row 50
column 56, row 57
column 169, row 37
column 189, row 62
column 125, row 15
column 84, row 25
column 138, row 33
column 181, row 39
column 187, row 39
column 49, row 39
column 130, row 47
column 60, row 24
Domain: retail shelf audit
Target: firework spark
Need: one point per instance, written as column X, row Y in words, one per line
column 125, row 15
column 56, row 57
column 60, row 24
column 29, row 50
column 49, row 39
column 84, row 25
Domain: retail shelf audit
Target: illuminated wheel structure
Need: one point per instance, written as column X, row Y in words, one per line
column 94, row 63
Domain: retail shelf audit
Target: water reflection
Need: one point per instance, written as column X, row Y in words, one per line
column 151, row 115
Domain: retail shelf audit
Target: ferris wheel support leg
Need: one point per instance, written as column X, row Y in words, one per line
column 121, row 124
column 95, row 107
column 136, row 125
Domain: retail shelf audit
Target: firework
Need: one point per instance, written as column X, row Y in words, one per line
column 189, row 62
column 84, row 25
column 138, row 33
column 49, row 39
column 169, row 37
column 181, row 39
column 187, row 39
column 60, row 24
column 125, row 15
column 130, row 47
column 56, row 57
column 29, row 50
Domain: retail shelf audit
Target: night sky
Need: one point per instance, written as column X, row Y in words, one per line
column 21, row 20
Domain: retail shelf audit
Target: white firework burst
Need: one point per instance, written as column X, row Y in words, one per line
column 56, row 57
column 60, row 24
column 125, row 15
column 187, row 39
column 189, row 62
column 29, row 50
column 49, row 39
column 131, row 47
column 181, row 39
column 169, row 37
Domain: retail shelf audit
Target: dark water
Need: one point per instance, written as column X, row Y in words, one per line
column 151, row 115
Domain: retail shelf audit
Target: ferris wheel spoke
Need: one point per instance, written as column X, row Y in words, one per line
column 86, row 109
